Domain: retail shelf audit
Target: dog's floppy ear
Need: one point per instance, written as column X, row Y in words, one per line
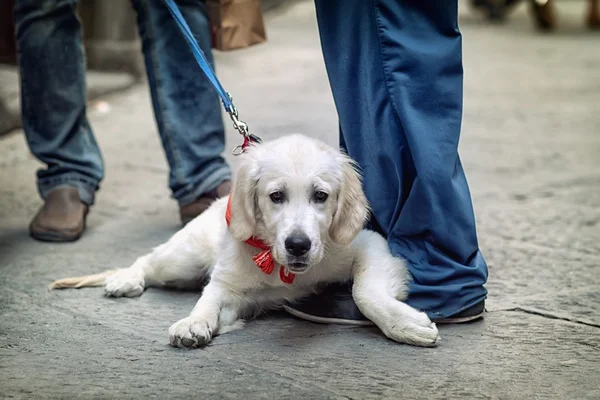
column 243, row 201
column 352, row 208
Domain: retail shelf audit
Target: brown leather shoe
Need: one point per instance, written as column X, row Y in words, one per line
column 61, row 218
column 593, row 16
column 192, row 210
column 544, row 14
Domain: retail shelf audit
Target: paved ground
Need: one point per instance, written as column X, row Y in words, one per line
column 531, row 148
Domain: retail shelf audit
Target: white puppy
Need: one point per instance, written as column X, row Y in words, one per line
column 295, row 219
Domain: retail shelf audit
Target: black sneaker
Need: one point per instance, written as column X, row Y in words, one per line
column 335, row 305
column 472, row 313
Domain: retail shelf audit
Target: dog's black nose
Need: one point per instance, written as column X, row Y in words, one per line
column 297, row 244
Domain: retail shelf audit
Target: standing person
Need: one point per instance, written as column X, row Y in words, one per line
column 395, row 69
column 53, row 96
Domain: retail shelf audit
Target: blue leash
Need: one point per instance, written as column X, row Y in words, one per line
column 226, row 99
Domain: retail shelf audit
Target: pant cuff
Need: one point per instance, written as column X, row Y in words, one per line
column 87, row 187
column 193, row 191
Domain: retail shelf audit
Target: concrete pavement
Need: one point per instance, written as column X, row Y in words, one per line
column 531, row 149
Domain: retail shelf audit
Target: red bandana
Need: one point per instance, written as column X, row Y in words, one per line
column 263, row 260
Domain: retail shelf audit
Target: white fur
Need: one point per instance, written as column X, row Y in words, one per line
column 341, row 249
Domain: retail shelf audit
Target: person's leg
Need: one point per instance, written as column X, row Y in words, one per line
column 186, row 107
column 53, row 101
column 395, row 70
column 593, row 14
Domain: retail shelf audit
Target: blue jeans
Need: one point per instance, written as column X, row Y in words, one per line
column 395, row 69
column 53, row 97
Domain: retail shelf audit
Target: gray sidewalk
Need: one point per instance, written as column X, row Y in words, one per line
column 531, row 149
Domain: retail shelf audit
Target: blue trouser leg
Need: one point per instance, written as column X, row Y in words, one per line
column 395, row 69
column 53, row 99
column 186, row 107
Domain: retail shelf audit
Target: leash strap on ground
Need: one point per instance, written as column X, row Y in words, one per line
column 226, row 99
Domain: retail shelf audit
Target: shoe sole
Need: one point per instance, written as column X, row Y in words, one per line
column 326, row 320
column 459, row 320
column 341, row 321
column 54, row 237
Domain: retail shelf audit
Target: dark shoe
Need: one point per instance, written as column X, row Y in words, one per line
column 61, row 218
column 494, row 10
column 543, row 14
column 467, row 315
column 335, row 305
column 192, row 210
column 593, row 16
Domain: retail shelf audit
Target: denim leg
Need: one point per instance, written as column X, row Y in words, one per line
column 186, row 107
column 53, row 96
column 395, row 68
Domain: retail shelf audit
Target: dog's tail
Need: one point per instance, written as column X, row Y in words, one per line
column 82, row 281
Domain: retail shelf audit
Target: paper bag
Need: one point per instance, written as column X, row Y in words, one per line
column 235, row 23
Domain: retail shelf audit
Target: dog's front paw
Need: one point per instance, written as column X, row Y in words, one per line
column 190, row 332
column 421, row 332
column 412, row 327
column 124, row 283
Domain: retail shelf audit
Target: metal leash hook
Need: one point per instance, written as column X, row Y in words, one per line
column 242, row 128
column 204, row 65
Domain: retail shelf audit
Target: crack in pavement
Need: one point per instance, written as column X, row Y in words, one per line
column 548, row 315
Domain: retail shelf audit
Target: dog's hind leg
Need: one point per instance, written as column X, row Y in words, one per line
column 181, row 259
column 188, row 256
column 380, row 283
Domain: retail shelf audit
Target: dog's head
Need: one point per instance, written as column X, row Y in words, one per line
column 297, row 194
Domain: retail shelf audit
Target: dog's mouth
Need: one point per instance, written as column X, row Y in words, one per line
column 297, row 267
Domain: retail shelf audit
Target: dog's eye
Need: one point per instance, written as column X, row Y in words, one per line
column 277, row 197
column 320, row 196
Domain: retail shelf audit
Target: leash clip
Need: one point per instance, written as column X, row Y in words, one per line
column 250, row 138
column 242, row 128
column 204, row 65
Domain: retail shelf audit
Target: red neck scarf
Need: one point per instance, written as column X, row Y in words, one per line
column 263, row 260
